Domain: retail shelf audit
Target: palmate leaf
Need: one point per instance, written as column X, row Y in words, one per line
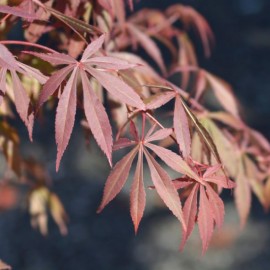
column 209, row 207
column 98, row 67
column 161, row 180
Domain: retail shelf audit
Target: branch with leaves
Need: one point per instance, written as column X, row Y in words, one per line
column 91, row 46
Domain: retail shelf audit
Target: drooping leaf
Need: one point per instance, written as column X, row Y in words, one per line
column 205, row 220
column 117, row 178
column 65, row 115
column 22, row 102
column 189, row 212
column 137, row 193
column 242, row 194
column 226, row 149
column 203, row 133
column 216, row 205
column 58, row 213
column 252, row 175
column 97, row 117
column 181, row 128
column 223, row 93
column 165, row 188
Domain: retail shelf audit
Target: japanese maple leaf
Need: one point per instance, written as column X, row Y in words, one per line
column 209, row 208
column 22, row 102
column 99, row 67
column 161, row 180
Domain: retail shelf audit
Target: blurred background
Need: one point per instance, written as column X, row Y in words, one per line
column 106, row 241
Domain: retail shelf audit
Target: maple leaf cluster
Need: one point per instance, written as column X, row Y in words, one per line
column 90, row 62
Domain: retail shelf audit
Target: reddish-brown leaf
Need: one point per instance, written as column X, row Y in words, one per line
column 22, row 102
column 181, row 128
column 190, row 212
column 205, row 220
column 53, row 83
column 137, row 194
column 165, row 188
column 97, row 117
column 65, row 116
column 117, row 178
column 217, row 206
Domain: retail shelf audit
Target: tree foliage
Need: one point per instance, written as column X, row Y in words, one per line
column 92, row 47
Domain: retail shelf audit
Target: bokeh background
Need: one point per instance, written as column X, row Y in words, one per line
column 106, row 241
